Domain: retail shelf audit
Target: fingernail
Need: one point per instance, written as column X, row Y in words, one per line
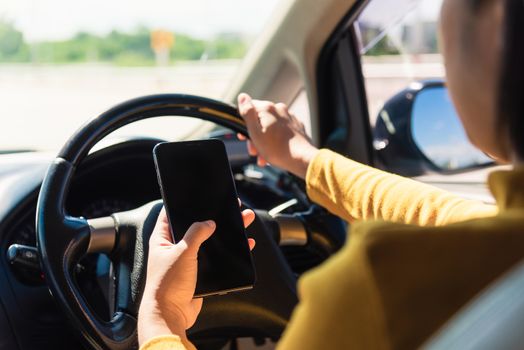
column 242, row 98
column 210, row 223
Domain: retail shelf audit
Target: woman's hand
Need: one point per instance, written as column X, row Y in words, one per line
column 276, row 136
column 168, row 306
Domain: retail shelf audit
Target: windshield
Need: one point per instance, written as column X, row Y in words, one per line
column 63, row 62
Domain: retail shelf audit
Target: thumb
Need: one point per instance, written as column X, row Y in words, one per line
column 249, row 113
column 198, row 233
column 162, row 232
column 243, row 99
column 246, row 107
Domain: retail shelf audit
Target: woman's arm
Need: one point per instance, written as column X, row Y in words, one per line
column 167, row 342
column 348, row 189
column 355, row 191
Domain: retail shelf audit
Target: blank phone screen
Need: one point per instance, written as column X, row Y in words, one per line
column 197, row 185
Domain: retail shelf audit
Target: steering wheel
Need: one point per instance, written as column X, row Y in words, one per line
column 62, row 240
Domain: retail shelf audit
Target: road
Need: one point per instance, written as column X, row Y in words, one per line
column 42, row 105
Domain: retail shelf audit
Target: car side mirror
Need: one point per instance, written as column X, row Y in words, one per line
column 418, row 131
column 438, row 132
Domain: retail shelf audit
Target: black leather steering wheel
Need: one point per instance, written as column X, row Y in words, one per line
column 62, row 240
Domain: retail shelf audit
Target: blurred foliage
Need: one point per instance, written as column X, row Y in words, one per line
column 414, row 38
column 117, row 47
column 383, row 47
column 12, row 45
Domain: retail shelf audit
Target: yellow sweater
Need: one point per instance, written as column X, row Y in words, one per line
column 398, row 279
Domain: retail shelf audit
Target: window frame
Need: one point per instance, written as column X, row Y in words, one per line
column 341, row 88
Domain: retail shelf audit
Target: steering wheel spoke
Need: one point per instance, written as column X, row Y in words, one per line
column 129, row 257
column 102, row 235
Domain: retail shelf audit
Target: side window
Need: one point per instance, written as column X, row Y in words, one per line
column 398, row 45
column 402, row 66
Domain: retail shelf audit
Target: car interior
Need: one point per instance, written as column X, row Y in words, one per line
column 75, row 220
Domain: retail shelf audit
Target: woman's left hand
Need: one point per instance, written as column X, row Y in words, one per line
column 168, row 306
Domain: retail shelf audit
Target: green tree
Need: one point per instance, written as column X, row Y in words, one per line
column 117, row 47
column 383, row 47
column 187, row 48
column 12, row 45
column 229, row 45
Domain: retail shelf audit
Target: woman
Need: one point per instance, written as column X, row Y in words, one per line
column 397, row 280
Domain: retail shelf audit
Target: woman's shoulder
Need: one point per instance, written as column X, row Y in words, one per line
column 498, row 227
column 499, row 238
column 420, row 276
column 380, row 243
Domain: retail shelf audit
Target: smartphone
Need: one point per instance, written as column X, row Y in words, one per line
column 197, row 184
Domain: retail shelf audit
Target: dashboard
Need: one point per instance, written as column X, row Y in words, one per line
column 113, row 179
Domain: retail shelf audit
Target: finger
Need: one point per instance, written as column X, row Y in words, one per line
column 162, row 231
column 261, row 162
column 248, row 112
column 261, row 105
column 248, row 216
column 241, row 137
column 251, row 243
column 251, row 150
column 198, row 233
column 242, row 98
column 245, row 105
column 282, row 109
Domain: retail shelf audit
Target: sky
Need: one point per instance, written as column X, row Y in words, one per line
column 386, row 11
column 60, row 19
column 438, row 132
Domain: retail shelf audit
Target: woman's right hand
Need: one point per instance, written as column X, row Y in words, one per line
column 276, row 136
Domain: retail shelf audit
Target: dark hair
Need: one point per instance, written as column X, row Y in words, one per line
column 510, row 99
column 476, row 4
column 511, row 84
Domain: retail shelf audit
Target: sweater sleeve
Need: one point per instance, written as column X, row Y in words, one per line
column 339, row 304
column 167, row 342
column 355, row 191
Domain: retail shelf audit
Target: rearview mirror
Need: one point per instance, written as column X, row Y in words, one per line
column 438, row 132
